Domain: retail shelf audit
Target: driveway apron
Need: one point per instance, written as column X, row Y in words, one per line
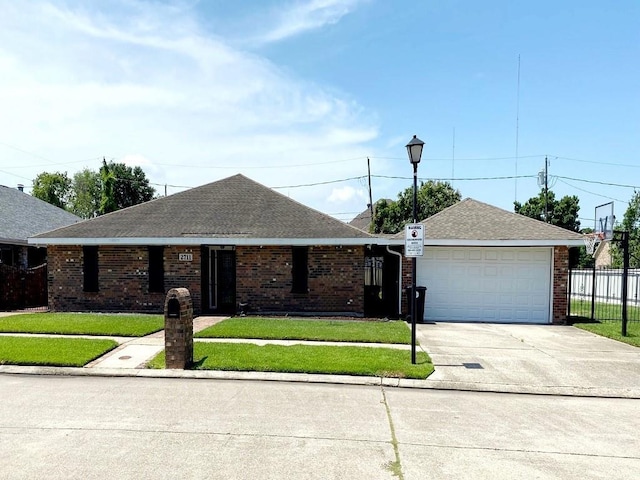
column 530, row 358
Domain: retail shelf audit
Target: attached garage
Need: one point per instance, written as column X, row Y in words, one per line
column 485, row 264
column 487, row 284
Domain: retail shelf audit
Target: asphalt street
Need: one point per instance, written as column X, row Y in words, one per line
column 61, row 427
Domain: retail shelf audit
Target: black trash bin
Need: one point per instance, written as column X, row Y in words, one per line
column 421, row 294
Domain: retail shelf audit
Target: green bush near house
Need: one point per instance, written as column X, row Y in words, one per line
column 310, row 329
column 58, row 352
column 117, row 325
column 334, row 360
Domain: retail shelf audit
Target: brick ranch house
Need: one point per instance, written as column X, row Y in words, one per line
column 248, row 247
column 233, row 243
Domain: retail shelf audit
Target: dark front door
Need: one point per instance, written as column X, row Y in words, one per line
column 222, row 281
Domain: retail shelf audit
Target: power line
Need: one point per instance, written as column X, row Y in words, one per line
column 591, row 193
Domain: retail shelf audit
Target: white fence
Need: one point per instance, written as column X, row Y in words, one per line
column 608, row 285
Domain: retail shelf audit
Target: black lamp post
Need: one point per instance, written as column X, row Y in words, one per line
column 414, row 149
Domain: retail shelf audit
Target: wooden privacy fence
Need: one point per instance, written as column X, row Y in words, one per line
column 23, row 287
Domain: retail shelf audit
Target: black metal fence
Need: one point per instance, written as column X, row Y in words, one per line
column 596, row 294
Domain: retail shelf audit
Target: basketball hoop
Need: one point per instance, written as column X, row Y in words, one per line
column 591, row 240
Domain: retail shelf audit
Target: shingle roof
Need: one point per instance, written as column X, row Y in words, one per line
column 232, row 208
column 22, row 216
column 470, row 219
column 362, row 221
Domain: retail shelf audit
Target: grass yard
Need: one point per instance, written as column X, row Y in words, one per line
column 603, row 311
column 118, row 325
column 58, row 352
column 335, row 360
column 613, row 330
column 311, row 329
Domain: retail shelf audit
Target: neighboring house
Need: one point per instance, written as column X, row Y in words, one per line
column 485, row 264
column 603, row 256
column 232, row 243
column 22, row 216
column 362, row 221
column 236, row 244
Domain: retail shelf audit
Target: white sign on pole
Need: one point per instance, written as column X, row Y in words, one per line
column 414, row 240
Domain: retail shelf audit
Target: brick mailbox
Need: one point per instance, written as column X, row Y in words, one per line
column 178, row 329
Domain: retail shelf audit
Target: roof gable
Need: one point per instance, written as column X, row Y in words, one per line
column 22, row 216
column 232, row 208
column 472, row 220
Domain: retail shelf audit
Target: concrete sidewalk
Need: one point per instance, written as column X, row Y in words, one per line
column 533, row 359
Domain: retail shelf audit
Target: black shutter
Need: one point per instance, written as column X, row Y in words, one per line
column 156, row 269
column 90, row 267
column 300, row 270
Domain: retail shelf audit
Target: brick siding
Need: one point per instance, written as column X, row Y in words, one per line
column 336, row 280
column 560, row 282
column 263, row 279
column 122, row 281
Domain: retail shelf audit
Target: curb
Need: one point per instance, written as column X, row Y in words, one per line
column 427, row 384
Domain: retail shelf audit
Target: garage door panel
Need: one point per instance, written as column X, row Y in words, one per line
column 486, row 284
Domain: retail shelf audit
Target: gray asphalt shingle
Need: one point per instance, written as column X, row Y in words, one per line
column 235, row 207
column 470, row 219
column 23, row 216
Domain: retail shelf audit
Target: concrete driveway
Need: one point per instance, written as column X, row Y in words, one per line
column 546, row 359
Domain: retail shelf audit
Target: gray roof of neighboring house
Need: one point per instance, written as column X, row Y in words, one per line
column 362, row 221
column 471, row 220
column 236, row 209
column 23, row 216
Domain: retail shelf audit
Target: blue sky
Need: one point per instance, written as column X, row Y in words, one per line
column 295, row 93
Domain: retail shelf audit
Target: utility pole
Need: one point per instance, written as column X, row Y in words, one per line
column 546, row 190
column 370, row 196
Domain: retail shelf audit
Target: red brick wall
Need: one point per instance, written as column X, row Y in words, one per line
column 123, row 279
column 263, row 279
column 560, row 282
column 336, row 279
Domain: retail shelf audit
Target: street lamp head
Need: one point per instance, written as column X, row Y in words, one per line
column 414, row 149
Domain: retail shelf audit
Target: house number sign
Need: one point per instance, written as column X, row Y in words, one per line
column 185, row 257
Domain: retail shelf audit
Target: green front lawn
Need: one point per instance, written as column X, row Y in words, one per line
column 118, row 325
column 311, row 329
column 58, row 352
column 613, row 330
column 335, row 360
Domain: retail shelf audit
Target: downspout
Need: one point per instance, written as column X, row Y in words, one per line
column 399, row 279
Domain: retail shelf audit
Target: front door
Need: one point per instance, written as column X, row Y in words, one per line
column 222, row 280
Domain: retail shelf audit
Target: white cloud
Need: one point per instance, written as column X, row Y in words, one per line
column 305, row 16
column 145, row 81
column 345, row 194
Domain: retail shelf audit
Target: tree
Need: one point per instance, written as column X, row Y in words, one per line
column 433, row 197
column 630, row 223
column 86, row 193
column 53, row 188
column 123, row 186
column 561, row 213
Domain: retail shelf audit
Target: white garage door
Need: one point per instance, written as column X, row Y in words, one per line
column 486, row 284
